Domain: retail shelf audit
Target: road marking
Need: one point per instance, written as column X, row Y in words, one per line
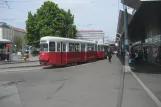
column 155, row 99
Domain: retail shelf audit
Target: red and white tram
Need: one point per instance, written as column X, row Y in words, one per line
column 58, row 50
column 102, row 50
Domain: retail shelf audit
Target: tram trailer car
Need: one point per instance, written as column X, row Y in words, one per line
column 102, row 51
column 58, row 50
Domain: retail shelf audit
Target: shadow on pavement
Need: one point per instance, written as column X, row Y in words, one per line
column 68, row 65
column 142, row 66
column 121, row 59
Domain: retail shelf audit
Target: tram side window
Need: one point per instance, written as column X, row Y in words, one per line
column 64, row 47
column 95, row 47
column 58, row 47
column 71, row 47
column 102, row 48
column 92, row 48
column 52, row 46
column 44, row 47
column 76, row 47
column 82, row 48
column 98, row 48
column 89, row 47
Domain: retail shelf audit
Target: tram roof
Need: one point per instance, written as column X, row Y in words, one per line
column 52, row 38
column 103, row 44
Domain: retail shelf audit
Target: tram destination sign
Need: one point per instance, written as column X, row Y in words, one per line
column 43, row 41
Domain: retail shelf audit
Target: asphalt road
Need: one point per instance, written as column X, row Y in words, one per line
column 95, row 84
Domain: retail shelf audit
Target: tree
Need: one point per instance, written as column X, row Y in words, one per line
column 17, row 40
column 49, row 20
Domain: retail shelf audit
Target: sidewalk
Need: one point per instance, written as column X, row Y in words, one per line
column 150, row 75
column 16, row 59
column 19, row 65
column 19, row 58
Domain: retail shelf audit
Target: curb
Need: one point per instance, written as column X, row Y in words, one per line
column 21, row 66
column 14, row 62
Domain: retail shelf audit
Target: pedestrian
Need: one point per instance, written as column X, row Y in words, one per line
column 109, row 55
column 136, row 56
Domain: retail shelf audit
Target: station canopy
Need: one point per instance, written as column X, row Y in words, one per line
column 131, row 3
column 5, row 41
column 120, row 26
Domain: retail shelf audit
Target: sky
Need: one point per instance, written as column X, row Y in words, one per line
column 89, row 14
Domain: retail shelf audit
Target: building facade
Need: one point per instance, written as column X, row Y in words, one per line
column 8, row 32
column 92, row 35
column 144, row 30
column 14, row 35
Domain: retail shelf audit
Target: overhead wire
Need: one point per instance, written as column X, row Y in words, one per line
column 6, row 2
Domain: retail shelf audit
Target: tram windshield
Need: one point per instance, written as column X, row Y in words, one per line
column 43, row 47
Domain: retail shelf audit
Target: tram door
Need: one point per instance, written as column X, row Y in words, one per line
column 82, row 52
column 63, row 53
column 58, row 54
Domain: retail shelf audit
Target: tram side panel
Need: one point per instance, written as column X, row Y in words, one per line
column 105, row 51
column 74, row 54
column 73, row 57
column 100, row 53
column 90, row 53
column 46, row 58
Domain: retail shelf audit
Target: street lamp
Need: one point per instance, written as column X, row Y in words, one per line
column 126, row 42
column 30, row 49
column 15, row 49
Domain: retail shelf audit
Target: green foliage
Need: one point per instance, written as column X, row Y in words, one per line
column 17, row 40
column 49, row 20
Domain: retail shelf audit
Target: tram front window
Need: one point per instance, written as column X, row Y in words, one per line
column 44, row 47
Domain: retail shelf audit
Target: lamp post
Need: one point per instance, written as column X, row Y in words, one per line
column 30, row 50
column 126, row 42
column 15, row 49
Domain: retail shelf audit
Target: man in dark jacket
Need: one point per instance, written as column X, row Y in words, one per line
column 109, row 55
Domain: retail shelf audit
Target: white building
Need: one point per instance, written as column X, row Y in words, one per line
column 8, row 32
column 93, row 35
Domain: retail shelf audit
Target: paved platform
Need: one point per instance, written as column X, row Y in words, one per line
column 150, row 74
column 95, row 84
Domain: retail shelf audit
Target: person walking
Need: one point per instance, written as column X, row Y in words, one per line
column 109, row 55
